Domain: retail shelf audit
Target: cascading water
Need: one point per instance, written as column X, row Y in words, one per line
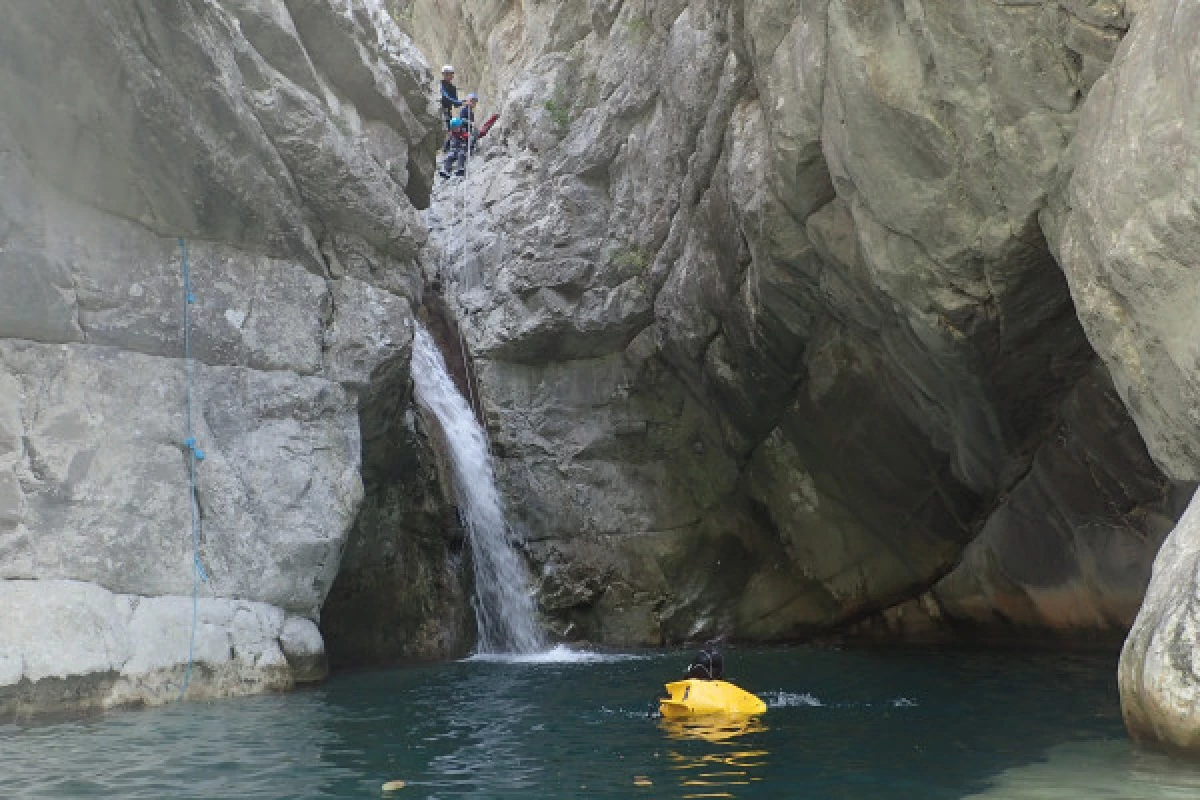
column 503, row 604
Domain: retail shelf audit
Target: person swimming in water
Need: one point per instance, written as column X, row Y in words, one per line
column 708, row 665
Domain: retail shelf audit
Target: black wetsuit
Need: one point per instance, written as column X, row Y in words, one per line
column 708, row 665
column 450, row 101
column 467, row 114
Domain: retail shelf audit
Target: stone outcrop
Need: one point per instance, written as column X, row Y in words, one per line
column 769, row 323
column 1125, row 231
column 1158, row 677
column 83, row 647
column 1125, row 227
column 288, row 142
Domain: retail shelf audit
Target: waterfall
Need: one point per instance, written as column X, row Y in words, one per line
column 503, row 603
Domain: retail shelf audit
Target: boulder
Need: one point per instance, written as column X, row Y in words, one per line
column 71, row 645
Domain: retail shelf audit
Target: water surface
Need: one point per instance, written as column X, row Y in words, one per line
column 842, row 724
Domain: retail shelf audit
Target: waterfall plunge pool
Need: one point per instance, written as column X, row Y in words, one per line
column 886, row 725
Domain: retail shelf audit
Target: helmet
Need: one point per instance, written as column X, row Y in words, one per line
column 447, row 68
column 472, row 96
column 456, row 123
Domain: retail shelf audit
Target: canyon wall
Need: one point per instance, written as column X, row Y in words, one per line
column 770, row 322
column 289, row 144
column 789, row 318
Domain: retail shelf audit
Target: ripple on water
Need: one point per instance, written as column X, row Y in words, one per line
column 841, row 724
column 782, row 699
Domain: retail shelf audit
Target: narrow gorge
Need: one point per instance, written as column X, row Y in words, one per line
column 852, row 320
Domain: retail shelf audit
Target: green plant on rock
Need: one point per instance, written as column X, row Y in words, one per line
column 630, row 260
column 402, row 10
column 637, row 29
column 559, row 111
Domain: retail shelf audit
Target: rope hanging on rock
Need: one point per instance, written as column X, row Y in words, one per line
column 195, row 454
column 474, row 396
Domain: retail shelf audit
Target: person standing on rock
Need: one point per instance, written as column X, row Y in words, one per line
column 459, row 145
column 467, row 115
column 461, row 142
column 467, row 111
column 450, row 100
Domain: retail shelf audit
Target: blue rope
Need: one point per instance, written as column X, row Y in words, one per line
column 194, row 454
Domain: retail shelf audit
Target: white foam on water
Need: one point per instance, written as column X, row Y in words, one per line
column 640, row 713
column 503, row 602
column 904, row 702
column 791, row 700
column 555, row 655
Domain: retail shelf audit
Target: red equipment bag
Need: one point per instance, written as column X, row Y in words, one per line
column 487, row 125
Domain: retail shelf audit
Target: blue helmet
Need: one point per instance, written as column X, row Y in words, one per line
column 456, row 123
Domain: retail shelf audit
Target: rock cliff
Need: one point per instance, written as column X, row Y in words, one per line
column 770, row 321
column 789, row 317
column 1126, row 232
column 288, row 142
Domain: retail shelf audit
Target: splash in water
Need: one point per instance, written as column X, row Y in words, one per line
column 503, row 603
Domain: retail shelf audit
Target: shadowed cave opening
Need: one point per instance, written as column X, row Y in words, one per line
column 403, row 587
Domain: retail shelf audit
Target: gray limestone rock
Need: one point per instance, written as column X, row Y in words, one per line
column 370, row 328
column 285, row 144
column 767, row 279
column 1066, row 555
column 1125, row 230
column 68, row 645
column 103, row 477
column 1160, row 687
column 302, row 646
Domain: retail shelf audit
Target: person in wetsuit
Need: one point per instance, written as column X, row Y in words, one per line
column 450, row 100
column 708, row 665
column 456, row 155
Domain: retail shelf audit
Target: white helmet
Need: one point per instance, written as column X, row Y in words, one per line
column 447, row 68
